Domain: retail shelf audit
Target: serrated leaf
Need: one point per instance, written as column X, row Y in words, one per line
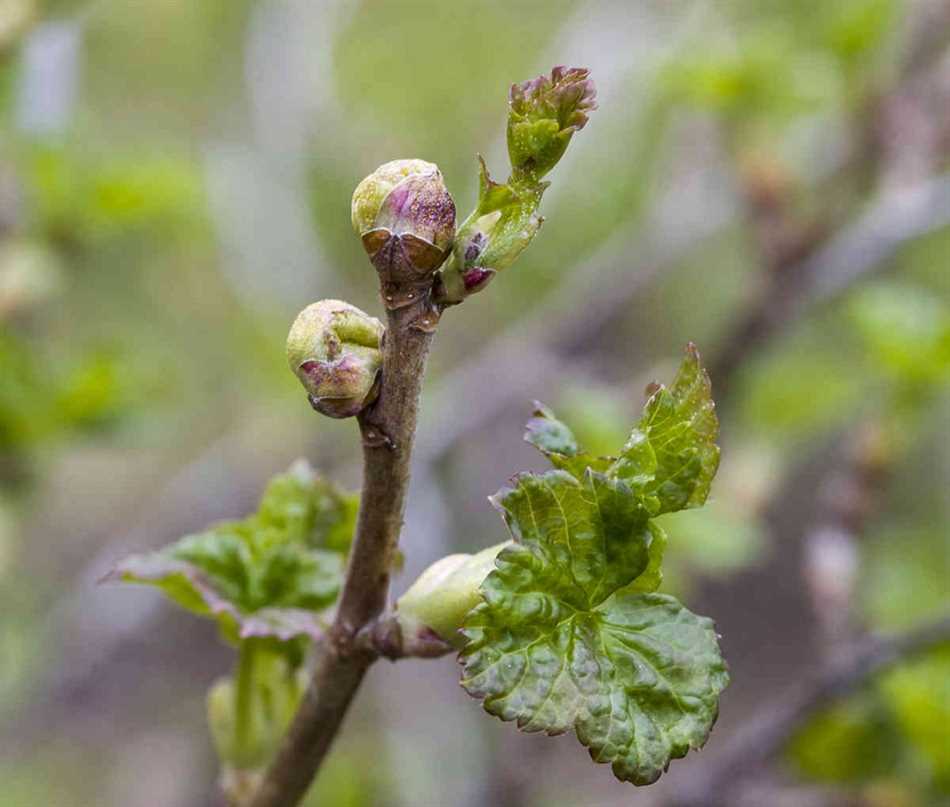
column 671, row 455
column 593, row 533
column 566, row 639
column 269, row 575
column 651, row 577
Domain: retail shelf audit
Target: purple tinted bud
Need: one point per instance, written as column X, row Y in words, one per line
column 476, row 278
column 406, row 218
column 334, row 350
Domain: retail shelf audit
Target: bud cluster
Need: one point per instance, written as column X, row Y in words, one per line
column 405, row 217
column 543, row 115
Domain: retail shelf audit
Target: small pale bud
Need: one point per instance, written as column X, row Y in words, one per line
column 406, row 218
column 444, row 593
column 334, row 349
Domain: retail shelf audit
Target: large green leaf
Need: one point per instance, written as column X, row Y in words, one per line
column 566, row 639
column 268, row 575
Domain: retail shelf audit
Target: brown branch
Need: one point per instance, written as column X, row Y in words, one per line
column 342, row 660
column 764, row 737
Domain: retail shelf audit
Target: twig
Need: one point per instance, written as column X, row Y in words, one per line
column 764, row 737
column 342, row 660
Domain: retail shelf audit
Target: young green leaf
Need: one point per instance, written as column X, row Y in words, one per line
column 563, row 640
column 570, row 634
column 269, row 575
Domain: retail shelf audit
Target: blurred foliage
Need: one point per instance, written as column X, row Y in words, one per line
column 906, row 331
column 899, row 730
column 779, row 61
column 82, row 200
column 267, row 576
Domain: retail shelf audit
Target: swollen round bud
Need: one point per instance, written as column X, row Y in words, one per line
column 334, row 349
column 406, row 219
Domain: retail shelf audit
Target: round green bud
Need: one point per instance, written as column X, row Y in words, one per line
column 406, row 219
column 334, row 349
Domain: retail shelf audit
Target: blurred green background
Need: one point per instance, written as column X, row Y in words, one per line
column 767, row 179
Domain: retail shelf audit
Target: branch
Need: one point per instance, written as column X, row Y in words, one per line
column 342, row 660
column 848, row 495
column 765, row 736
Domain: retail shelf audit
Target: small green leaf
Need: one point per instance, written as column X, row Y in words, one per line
column 303, row 507
column 672, row 453
column 548, row 434
column 557, row 442
column 567, row 638
column 269, row 575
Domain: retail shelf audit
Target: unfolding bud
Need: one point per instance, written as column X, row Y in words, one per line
column 334, row 349
column 248, row 716
column 406, row 218
column 220, row 709
column 543, row 115
column 444, row 593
